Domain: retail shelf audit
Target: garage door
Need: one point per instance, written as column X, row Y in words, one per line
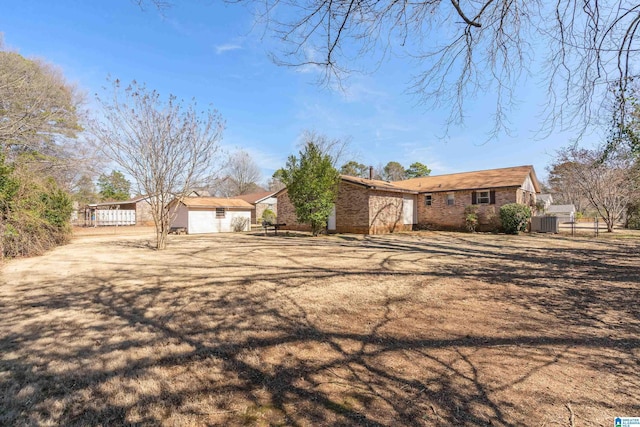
column 202, row 222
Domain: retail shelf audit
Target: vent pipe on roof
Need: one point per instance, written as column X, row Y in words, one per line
column 370, row 172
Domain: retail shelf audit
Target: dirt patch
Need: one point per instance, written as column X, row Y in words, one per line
column 241, row 329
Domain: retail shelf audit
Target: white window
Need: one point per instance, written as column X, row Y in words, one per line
column 219, row 212
column 428, row 199
column 451, row 200
column 483, row 197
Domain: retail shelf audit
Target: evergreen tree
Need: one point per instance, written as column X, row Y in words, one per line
column 312, row 186
column 114, row 187
column 417, row 170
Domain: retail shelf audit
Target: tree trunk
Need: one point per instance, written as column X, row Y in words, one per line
column 162, row 231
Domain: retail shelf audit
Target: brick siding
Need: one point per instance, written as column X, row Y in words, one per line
column 352, row 209
column 364, row 211
column 287, row 214
column 442, row 216
column 386, row 212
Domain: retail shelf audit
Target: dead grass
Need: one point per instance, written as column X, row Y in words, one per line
column 237, row 329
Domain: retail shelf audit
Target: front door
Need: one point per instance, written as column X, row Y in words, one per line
column 408, row 210
column 331, row 222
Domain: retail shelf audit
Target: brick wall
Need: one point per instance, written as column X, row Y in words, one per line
column 526, row 197
column 440, row 215
column 352, row 209
column 143, row 213
column 256, row 214
column 358, row 210
column 287, row 214
column 386, row 212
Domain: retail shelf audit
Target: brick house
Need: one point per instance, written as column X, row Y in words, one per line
column 443, row 199
column 261, row 201
column 371, row 206
column 365, row 206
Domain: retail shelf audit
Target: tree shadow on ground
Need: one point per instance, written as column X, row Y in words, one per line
column 238, row 340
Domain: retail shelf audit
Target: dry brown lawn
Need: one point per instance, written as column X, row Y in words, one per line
column 422, row 329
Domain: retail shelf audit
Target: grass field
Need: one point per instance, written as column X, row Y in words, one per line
column 416, row 329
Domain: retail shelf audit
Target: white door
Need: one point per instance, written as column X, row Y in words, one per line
column 408, row 210
column 202, row 222
column 331, row 222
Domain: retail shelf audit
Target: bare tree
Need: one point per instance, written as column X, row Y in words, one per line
column 610, row 183
column 243, row 174
column 275, row 182
column 565, row 186
column 337, row 149
column 165, row 146
column 463, row 49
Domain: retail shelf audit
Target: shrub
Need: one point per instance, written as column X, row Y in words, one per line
column 492, row 219
column 633, row 216
column 34, row 213
column 239, row 224
column 269, row 216
column 514, row 217
column 471, row 218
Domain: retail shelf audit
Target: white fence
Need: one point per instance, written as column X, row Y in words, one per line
column 111, row 217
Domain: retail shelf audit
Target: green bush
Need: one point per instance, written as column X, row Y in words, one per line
column 471, row 218
column 269, row 216
column 633, row 217
column 514, row 217
column 34, row 213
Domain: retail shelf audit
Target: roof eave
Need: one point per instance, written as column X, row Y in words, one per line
column 489, row 187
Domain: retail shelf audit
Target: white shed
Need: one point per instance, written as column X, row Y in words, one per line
column 211, row 215
column 565, row 212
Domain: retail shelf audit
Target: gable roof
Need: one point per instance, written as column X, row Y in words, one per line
column 377, row 184
column 199, row 193
column 545, row 198
column 560, row 209
column 215, row 202
column 255, row 197
column 490, row 178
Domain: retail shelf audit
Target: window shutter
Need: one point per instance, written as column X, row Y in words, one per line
column 474, row 199
column 492, row 197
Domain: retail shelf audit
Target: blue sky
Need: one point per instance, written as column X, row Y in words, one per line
column 214, row 53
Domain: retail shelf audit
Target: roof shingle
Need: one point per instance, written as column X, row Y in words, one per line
column 491, row 178
column 255, row 197
column 215, row 202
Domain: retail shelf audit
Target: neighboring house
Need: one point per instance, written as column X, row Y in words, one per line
column 136, row 211
column 544, row 201
column 199, row 193
column 566, row 213
column 261, row 201
column 370, row 206
column 211, row 215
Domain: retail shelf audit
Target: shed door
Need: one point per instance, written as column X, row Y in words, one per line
column 408, row 210
column 202, row 222
column 331, row 222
